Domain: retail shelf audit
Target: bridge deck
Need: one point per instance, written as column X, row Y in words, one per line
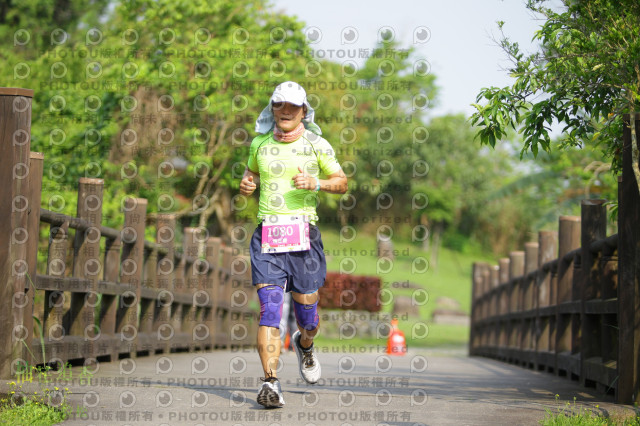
column 357, row 388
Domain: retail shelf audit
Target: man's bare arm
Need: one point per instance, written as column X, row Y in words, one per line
column 335, row 184
column 249, row 182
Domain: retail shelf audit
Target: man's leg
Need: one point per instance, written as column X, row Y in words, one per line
column 269, row 349
column 271, row 297
column 307, row 333
column 305, row 307
column 266, row 270
column 269, row 335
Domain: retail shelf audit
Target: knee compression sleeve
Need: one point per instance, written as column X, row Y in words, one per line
column 271, row 299
column 306, row 315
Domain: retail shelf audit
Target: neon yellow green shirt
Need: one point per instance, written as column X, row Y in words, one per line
column 278, row 162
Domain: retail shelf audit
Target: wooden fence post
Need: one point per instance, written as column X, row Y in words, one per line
column 15, row 139
column 548, row 248
column 190, row 248
column 568, row 240
column 530, row 265
column 33, row 229
column 54, row 326
column 165, row 238
column 494, row 277
column 131, row 272
column 109, row 304
column 86, row 263
column 211, row 284
column 476, row 279
column 148, row 304
column 201, row 299
column 217, row 289
column 594, row 228
column 629, row 270
column 529, row 301
column 503, row 265
column 516, row 270
column 547, row 251
column 178, row 308
column 484, row 290
column 224, row 294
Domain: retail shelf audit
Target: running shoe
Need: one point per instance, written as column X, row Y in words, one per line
column 270, row 393
column 307, row 361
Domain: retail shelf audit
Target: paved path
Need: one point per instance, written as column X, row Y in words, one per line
column 423, row 387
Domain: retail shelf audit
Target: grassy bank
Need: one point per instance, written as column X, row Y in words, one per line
column 451, row 278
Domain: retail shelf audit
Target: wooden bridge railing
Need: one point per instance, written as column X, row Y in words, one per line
column 105, row 293
column 570, row 302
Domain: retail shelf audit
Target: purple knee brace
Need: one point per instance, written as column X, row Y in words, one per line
column 306, row 315
column 271, row 299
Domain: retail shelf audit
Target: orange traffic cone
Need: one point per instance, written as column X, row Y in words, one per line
column 396, row 344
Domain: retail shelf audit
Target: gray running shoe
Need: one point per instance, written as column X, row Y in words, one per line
column 270, row 393
column 307, row 360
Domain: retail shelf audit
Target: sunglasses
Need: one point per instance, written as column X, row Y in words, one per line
column 280, row 105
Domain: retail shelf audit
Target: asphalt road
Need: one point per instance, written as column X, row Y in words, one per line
column 357, row 387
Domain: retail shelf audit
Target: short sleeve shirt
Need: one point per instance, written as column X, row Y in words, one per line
column 278, row 162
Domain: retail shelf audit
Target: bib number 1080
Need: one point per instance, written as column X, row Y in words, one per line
column 285, row 234
column 280, row 231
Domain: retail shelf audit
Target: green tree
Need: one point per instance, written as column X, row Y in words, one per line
column 161, row 105
column 461, row 174
column 556, row 182
column 32, row 26
column 375, row 115
column 584, row 76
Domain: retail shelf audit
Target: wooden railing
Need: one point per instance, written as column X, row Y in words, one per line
column 104, row 293
column 570, row 302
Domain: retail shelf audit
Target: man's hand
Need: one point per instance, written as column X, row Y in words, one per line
column 303, row 181
column 247, row 185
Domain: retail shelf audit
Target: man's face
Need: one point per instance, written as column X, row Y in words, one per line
column 287, row 115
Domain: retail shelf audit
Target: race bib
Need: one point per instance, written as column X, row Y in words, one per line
column 284, row 233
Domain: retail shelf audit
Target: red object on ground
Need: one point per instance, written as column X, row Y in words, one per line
column 396, row 343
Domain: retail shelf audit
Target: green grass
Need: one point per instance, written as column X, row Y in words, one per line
column 440, row 336
column 571, row 414
column 326, row 343
column 451, row 278
column 45, row 406
column 42, row 407
column 31, row 412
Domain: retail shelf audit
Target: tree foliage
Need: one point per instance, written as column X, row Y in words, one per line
column 33, row 26
column 462, row 176
column 584, row 76
column 159, row 98
column 376, row 118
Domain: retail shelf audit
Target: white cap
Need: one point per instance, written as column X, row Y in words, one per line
column 290, row 92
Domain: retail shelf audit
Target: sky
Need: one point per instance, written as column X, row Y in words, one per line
column 455, row 37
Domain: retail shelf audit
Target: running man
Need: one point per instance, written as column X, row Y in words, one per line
column 286, row 248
